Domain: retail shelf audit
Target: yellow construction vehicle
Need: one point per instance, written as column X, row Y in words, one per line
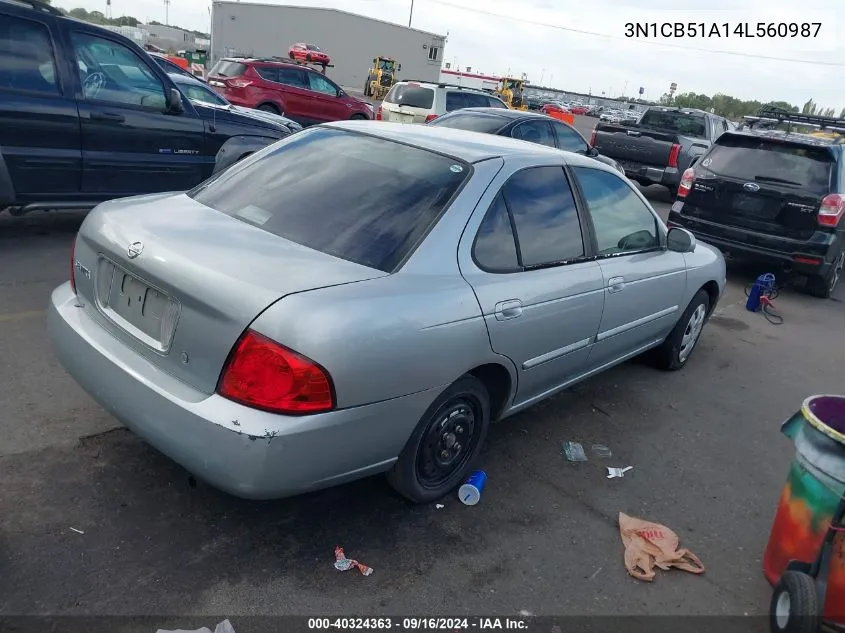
column 381, row 77
column 511, row 91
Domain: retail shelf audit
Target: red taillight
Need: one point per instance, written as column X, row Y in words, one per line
column 430, row 117
column 686, row 183
column 378, row 114
column 262, row 374
column 807, row 260
column 673, row 155
column 832, row 209
column 593, row 138
column 238, row 83
column 73, row 265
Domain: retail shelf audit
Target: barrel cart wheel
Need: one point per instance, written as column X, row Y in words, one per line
column 795, row 605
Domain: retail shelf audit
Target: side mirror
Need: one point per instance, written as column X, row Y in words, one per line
column 592, row 152
column 375, row 61
column 399, row 67
column 340, row 93
column 174, row 101
column 680, row 240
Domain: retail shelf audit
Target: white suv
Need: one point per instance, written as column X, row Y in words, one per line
column 420, row 102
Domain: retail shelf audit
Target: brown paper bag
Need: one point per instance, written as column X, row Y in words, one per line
column 650, row 544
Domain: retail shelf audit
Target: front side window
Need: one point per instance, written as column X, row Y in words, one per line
column 494, row 249
column 113, row 73
column 534, row 132
column 320, row 84
column 543, row 209
column 352, row 196
column 203, row 95
column 26, row 56
column 622, row 222
column 496, row 103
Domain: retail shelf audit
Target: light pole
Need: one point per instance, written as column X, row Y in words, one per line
column 411, row 16
column 542, row 74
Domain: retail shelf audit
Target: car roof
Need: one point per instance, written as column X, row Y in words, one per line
column 782, row 135
column 471, row 147
column 447, row 86
column 179, row 78
column 505, row 113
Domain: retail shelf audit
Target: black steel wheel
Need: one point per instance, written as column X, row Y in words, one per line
column 440, row 453
column 823, row 287
column 795, row 605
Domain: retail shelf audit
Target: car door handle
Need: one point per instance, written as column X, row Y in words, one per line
column 616, row 284
column 509, row 309
column 108, row 116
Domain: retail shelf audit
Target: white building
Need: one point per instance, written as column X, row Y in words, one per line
column 170, row 38
column 246, row 29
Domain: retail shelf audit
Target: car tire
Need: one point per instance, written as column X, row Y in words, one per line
column 308, row 57
column 268, row 107
column 358, row 117
column 823, row 286
column 795, row 605
column 459, row 417
column 676, row 350
column 291, row 55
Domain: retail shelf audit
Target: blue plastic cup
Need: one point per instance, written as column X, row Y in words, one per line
column 470, row 492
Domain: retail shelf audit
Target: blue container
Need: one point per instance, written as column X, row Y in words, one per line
column 470, row 492
column 764, row 285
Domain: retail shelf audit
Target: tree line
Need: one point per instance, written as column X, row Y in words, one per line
column 97, row 17
column 734, row 109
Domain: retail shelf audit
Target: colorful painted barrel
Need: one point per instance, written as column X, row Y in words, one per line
column 814, row 488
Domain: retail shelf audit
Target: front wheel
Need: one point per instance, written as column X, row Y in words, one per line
column 444, row 445
column 676, row 350
column 268, row 107
column 823, row 287
column 795, row 605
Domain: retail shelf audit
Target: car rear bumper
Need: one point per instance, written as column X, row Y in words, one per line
column 796, row 255
column 666, row 176
column 247, row 453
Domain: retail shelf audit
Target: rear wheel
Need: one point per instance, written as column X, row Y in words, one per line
column 795, row 605
column 358, row 117
column 446, row 442
column 308, row 57
column 269, row 107
column 291, row 55
column 823, row 287
column 676, row 350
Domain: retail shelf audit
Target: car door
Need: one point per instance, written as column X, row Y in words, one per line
column 534, row 131
column 293, row 90
column 39, row 126
column 131, row 143
column 540, row 294
column 325, row 98
column 568, row 139
column 644, row 282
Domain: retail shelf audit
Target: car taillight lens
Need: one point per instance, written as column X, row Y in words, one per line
column 430, row 117
column 73, row 265
column 238, row 83
column 593, row 138
column 686, row 183
column 673, row 155
column 378, row 114
column 263, row 374
column 832, row 209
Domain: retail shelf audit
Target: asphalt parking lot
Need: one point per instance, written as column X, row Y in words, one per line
column 708, row 461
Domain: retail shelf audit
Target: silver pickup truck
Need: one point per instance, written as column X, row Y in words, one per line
column 658, row 147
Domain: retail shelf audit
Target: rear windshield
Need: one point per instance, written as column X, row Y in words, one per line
column 751, row 159
column 225, row 68
column 677, row 122
column 412, row 96
column 488, row 123
column 363, row 199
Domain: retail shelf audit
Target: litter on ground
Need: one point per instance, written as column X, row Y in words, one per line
column 342, row 563
column 574, row 452
column 649, row 545
column 224, row 627
column 612, row 473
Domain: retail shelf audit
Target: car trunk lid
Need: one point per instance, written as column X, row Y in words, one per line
column 769, row 186
column 180, row 282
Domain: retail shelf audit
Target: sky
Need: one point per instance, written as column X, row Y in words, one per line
column 583, row 47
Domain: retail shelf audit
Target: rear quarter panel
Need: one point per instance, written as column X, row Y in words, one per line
column 417, row 329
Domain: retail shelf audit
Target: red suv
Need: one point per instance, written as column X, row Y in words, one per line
column 300, row 93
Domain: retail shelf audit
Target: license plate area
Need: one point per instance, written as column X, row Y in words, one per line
column 143, row 311
column 753, row 206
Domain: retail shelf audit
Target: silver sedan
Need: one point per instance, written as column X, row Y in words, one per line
column 367, row 297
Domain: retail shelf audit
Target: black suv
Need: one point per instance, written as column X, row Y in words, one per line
column 86, row 115
column 773, row 195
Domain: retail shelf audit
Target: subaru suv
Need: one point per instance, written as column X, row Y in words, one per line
column 302, row 93
column 421, row 102
column 771, row 195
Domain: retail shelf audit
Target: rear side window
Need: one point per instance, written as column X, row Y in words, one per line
column 543, row 208
column 226, row 68
column 496, row 103
column 412, row 96
column 763, row 160
column 268, row 73
column 456, row 100
column 292, row 77
column 472, row 121
column 355, row 197
column 26, row 56
column 494, row 248
column 677, row 122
